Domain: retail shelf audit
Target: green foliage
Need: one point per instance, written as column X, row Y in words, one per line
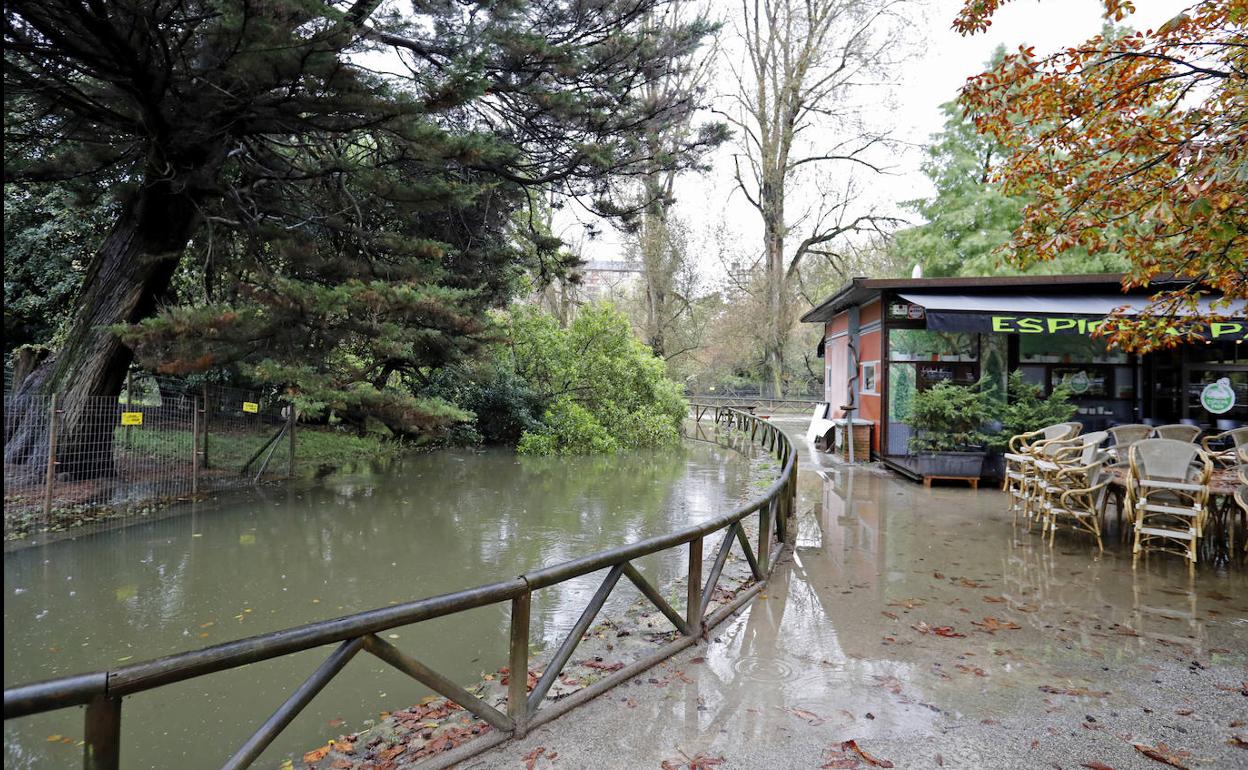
column 49, row 236
column 604, row 389
column 503, row 405
column 1028, row 409
column 948, row 417
column 971, row 219
column 289, row 216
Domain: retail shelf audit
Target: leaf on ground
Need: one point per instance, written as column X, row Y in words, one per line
column 1096, row 766
column 1164, row 754
column 968, row 583
column 316, row 755
column 946, row 631
column 1078, row 692
column 907, row 603
column 603, row 666
column 530, row 759
column 976, row 670
column 1237, row 742
column 891, row 615
column 874, row 761
column 698, row 762
column 995, row 599
column 991, row 625
column 809, row 716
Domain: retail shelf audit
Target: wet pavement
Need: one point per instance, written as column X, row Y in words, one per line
column 919, row 624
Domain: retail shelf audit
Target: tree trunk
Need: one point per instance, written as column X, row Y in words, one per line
column 129, row 274
column 777, row 326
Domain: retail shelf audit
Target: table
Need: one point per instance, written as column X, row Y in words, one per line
column 1222, row 506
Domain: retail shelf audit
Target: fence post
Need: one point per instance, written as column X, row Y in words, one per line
column 102, row 736
column 204, row 427
column 195, row 446
column 693, row 591
column 50, row 477
column 518, row 664
column 291, row 430
column 129, row 406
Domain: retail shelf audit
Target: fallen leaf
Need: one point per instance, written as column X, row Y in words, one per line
column 530, row 759
column 810, row 717
column 852, row 745
column 1163, row 753
column 891, row 615
column 945, row 631
column 1096, row 766
column 995, row 599
column 991, row 625
column 316, row 755
column 1078, row 692
column 968, row 583
column 1237, row 742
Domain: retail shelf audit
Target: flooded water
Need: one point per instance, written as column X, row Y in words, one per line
column 281, row 557
column 921, row 624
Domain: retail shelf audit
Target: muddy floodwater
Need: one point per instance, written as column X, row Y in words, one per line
column 280, row 557
column 921, row 624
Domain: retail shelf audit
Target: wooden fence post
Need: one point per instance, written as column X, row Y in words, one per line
column 293, row 417
column 195, row 446
column 129, row 406
column 50, row 478
column 204, row 428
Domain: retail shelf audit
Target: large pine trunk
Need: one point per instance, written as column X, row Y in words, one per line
column 128, row 276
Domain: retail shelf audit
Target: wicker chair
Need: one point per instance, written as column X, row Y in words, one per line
column 1081, row 503
column 1062, row 466
column 1020, row 463
column 1238, row 438
column 1178, row 432
column 1167, row 490
column 1126, row 435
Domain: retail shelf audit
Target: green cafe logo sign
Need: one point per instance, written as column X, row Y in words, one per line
column 1010, row 324
column 1079, row 382
column 1218, row 397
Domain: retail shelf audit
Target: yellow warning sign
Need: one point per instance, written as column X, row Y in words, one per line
column 131, row 418
column 250, row 406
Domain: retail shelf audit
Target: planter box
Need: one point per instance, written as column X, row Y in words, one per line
column 950, row 465
column 994, row 466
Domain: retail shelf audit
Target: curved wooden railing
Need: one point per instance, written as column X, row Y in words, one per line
column 102, row 692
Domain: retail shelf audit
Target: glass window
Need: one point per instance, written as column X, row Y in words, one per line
column 925, row 345
column 868, row 377
column 1066, row 349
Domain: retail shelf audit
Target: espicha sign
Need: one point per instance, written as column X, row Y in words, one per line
column 1001, row 323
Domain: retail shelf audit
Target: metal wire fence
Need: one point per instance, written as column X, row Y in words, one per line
column 73, row 462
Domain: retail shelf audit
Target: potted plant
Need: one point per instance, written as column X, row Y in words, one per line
column 947, row 421
column 1025, row 409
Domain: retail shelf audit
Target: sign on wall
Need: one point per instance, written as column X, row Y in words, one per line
column 1218, row 397
column 131, row 418
column 251, row 407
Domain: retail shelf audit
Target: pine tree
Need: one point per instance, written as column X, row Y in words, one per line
column 353, row 222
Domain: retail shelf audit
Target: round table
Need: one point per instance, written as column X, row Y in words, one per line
column 1221, row 505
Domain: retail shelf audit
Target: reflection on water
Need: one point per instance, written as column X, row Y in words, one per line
column 842, row 643
column 246, row 565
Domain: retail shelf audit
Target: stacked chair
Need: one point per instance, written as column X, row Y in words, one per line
column 1020, row 462
column 1167, row 490
column 1230, row 441
column 1126, row 435
column 1072, row 486
column 1177, row 432
column 1241, row 494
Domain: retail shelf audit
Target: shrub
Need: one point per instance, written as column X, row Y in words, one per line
column 948, row 417
column 603, row 388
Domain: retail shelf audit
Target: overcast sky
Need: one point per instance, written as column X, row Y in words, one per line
column 942, row 61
